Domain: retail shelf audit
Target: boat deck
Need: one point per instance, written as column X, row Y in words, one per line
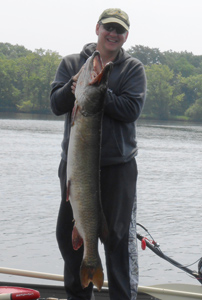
column 58, row 292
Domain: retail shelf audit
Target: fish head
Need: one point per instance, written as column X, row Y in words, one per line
column 92, row 84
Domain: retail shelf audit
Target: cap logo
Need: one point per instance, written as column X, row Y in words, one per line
column 115, row 13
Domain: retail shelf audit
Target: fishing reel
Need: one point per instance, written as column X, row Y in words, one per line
column 200, row 266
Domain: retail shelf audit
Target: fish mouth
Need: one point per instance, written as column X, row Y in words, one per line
column 99, row 71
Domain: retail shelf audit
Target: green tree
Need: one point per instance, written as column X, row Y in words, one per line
column 38, row 72
column 146, row 55
column 177, row 101
column 160, row 91
column 13, row 51
column 183, row 62
column 194, row 85
column 194, row 112
column 25, row 78
column 9, row 94
column 184, row 67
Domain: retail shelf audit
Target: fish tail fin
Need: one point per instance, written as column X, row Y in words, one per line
column 91, row 274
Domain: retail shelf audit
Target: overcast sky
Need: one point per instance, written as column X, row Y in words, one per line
column 65, row 26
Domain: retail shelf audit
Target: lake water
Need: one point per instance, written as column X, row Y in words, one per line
column 169, row 196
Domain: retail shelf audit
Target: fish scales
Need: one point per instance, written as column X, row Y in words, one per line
column 83, row 168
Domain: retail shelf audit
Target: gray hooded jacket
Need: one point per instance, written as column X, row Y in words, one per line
column 123, row 104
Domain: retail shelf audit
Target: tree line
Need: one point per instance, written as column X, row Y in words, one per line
column 25, row 78
column 174, row 81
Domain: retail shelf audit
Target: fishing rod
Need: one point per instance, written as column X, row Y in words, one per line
column 155, row 247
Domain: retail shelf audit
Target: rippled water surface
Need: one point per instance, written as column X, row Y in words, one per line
column 169, row 196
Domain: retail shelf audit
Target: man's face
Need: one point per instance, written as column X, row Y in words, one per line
column 111, row 36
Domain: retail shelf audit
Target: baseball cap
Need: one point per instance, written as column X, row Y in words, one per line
column 115, row 15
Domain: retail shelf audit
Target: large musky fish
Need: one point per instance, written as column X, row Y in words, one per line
column 83, row 167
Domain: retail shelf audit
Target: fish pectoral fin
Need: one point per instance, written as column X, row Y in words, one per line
column 77, row 240
column 74, row 111
column 68, row 190
column 90, row 274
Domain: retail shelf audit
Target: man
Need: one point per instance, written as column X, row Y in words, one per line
column 123, row 104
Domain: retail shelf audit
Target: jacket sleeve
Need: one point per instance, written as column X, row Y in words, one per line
column 61, row 97
column 126, row 102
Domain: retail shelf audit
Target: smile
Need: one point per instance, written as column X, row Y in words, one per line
column 111, row 40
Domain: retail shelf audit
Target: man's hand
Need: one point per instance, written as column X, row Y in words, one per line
column 75, row 78
column 73, row 87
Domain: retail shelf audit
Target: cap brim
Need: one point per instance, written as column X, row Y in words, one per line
column 115, row 20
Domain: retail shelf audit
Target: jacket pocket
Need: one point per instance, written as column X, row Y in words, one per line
column 111, row 140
